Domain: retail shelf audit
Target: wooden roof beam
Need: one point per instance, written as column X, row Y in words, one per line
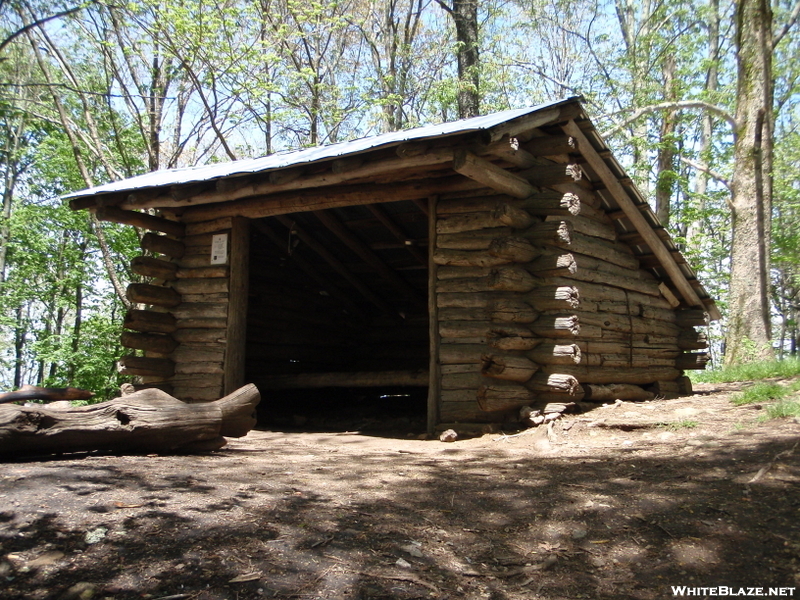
column 336, row 264
column 268, row 232
column 311, row 200
column 341, row 231
column 633, row 213
column 398, row 233
column 489, row 174
column 282, row 180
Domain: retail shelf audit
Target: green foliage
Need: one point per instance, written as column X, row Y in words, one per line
column 760, row 392
column 783, row 409
column 751, row 371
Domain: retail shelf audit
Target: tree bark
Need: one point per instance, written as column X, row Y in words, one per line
column 749, row 327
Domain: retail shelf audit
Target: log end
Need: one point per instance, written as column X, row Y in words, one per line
column 239, row 411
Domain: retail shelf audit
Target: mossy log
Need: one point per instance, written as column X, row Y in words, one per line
column 149, row 420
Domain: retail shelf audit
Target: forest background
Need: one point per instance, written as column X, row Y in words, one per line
column 698, row 98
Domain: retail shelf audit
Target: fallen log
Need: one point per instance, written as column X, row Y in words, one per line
column 146, row 421
column 32, row 392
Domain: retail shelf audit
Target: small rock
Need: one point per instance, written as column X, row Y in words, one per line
column 422, row 436
column 46, row 558
column 413, row 550
column 449, row 435
column 80, row 591
column 95, row 535
column 403, row 563
column 537, row 420
column 579, row 533
column 551, row 417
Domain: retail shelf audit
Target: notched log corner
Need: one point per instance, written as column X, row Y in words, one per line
column 146, row 421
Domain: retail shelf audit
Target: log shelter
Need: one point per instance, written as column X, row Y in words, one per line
column 497, row 262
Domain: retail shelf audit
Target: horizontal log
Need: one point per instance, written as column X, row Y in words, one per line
column 567, row 205
column 200, row 323
column 145, row 421
column 465, row 368
column 457, row 354
column 33, row 392
column 461, row 381
column 140, row 365
column 466, row 258
column 626, row 324
column 480, row 239
column 556, row 326
column 258, row 206
column 200, row 368
column 501, row 279
column 499, row 311
column 550, row 175
column 490, row 175
column 604, row 278
column 197, row 353
column 418, row 378
column 197, row 393
column 205, row 336
column 559, row 231
column 689, row 339
column 693, row 317
column 215, row 285
column 590, row 227
column 149, row 321
column 665, row 389
column 496, row 397
column 689, row 361
column 629, row 359
column 147, row 266
column 144, row 293
column 554, row 297
column 484, row 330
column 514, row 249
column 215, row 226
column 554, row 265
column 553, row 381
column 550, row 353
column 549, row 145
column 615, row 391
column 161, row 244
column 211, row 310
column 509, row 367
column 141, row 220
column 514, row 342
column 203, row 272
column 151, row 342
column 476, row 202
column 505, row 215
column 638, row 376
column 605, row 250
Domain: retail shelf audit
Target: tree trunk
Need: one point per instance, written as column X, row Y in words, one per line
column 749, row 328
column 465, row 15
column 146, row 421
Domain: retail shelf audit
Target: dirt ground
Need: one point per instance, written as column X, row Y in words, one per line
column 621, row 502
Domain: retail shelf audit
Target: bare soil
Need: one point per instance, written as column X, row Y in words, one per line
column 620, row 502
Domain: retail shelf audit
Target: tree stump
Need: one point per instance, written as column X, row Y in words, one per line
column 146, row 421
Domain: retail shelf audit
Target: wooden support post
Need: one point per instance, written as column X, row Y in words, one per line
column 236, row 332
column 434, row 340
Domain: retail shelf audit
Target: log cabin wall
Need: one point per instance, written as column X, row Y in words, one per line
column 186, row 320
column 539, row 301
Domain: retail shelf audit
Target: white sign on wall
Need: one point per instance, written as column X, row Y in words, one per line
column 219, row 249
